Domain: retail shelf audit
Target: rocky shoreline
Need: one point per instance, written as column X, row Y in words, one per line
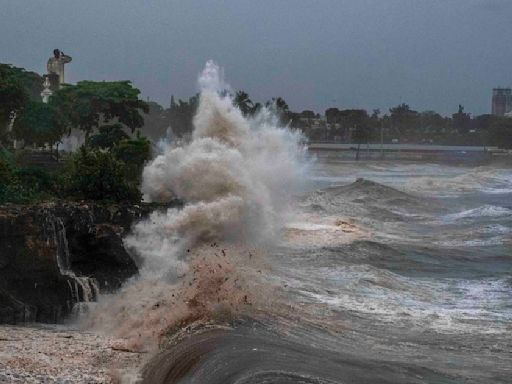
column 54, row 256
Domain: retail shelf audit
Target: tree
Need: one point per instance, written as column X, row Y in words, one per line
column 483, row 122
column 431, row 124
column 38, row 123
column 6, row 169
column 181, row 114
column 31, row 82
column 308, row 114
column 13, row 97
column 430, row 119
column 279, row 106
column 108, row 136
column 98, row 175
column 244, row 103
column 403, row 120
column 482, row 126
column 357, row 124
column 155, row 122
column 500, row 132
column 332, row 115
column 23, row 185
column 134, row 152
column 89, row 104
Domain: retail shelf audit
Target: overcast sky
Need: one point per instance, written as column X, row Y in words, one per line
column 432, row 54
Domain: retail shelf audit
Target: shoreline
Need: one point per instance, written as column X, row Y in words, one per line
column 39, row 353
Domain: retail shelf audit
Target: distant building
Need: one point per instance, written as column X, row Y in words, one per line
column 501, row 101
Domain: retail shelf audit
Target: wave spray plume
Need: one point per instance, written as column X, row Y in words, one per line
column 236, row 177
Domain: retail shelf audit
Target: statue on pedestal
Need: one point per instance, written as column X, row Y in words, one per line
column 55, row 68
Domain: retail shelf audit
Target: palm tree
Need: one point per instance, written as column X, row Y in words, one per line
column 243, row 102
column 280, row 108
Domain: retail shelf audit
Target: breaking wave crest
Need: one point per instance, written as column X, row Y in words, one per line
column 236, row 178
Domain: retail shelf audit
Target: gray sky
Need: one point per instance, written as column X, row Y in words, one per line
column 432, row 54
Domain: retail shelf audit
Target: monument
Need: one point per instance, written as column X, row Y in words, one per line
column 55, row 68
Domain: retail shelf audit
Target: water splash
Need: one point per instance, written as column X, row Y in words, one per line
column 236, row 176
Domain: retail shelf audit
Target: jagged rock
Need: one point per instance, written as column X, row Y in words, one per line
column 55, row 255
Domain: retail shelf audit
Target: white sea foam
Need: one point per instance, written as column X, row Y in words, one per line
column 483, row 211
column 489, row 242
column 447, row 305
column 306, row 226
column 236, row 176
column 495, row 228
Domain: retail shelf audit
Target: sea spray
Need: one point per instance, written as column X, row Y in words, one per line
column 236, row 177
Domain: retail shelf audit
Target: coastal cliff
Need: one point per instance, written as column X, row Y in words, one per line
column 54, row 257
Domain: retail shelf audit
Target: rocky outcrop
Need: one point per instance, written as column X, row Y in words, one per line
column 55, row 256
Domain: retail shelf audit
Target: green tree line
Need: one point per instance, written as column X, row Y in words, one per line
column 109, row 164
column 400, row 123
column 116, row 122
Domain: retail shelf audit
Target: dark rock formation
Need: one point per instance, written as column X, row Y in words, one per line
column 53, row 256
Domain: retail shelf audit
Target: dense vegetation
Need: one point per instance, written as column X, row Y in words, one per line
column 17, row 87
column 400, row 124
column 406, row 125
column 109, row 164
column 89, row 173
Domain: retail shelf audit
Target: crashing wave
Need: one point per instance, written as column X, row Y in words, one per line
column 236, row 178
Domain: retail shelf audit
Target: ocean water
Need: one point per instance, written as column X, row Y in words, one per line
column 392, row 273
column 424, row 281
column 283, row 269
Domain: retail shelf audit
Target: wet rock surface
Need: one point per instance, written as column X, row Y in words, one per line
column 53, row 256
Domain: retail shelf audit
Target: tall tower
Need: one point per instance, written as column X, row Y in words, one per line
column 501, row 101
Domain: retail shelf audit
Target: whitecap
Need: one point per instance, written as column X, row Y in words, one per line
column 482, row 211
